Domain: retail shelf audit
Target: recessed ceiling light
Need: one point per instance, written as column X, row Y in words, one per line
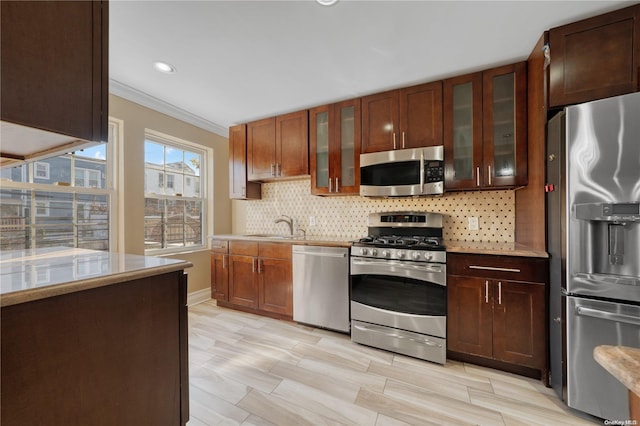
column 164, row 67
column 327, row 2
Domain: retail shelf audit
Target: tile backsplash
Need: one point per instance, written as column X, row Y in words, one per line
column 346, row 217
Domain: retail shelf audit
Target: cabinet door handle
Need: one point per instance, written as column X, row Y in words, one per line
column 244, row 191
column 253, row 265
column 337, row 186
column 273, row 169
column 499, row 293
column 486, row 292
column 402, row 140
column 489, row 167
column 330, row 185
column 492, row 268
column 477, row 176
column 278, row 169
column 259, row 262
column 225, row 261
column 394, row 141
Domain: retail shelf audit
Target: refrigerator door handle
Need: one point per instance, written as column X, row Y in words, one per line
column 609, row 316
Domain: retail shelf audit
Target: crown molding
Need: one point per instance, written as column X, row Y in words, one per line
column 134, row 95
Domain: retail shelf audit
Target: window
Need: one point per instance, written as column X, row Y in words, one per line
column 41, row 170
column 42, row 208
column 59, row 201
column 174, row 206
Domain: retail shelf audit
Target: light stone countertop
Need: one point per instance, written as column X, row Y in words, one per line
column 501, row 249
column 28, row 275
column 311, row 240
column 622, row 362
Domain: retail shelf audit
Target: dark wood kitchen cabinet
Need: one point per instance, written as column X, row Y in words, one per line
column 497, row 311
column 595, row 58
column 260, row 278
column 278, row 147
column 55, row 70
column 116, row 354
column 219, row 269
column 485, row 129
column 239, row 187
column 406, row 118
column 334, row 144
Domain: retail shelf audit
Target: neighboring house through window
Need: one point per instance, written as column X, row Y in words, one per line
column 59, row 201
column 175, row 211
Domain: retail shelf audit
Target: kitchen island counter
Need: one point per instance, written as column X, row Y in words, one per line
column 28, row 275
column 92, row 337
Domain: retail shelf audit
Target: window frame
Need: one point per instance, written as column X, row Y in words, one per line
column 37, row 164
column 205, row 194
column 109, row 191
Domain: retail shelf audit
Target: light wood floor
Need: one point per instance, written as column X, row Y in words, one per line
column 251, row 370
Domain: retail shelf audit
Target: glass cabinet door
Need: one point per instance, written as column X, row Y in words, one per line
column 335, row 148
column 462, row 98
column 322, row 150
column 505, row 126
column 319, row 153
column 347, row 147
column 346, row 179
column 463, row 130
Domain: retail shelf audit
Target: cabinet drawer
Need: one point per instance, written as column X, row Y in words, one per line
column 244, row 248
column 220, row 246
column 498, row 267
column 275, row 250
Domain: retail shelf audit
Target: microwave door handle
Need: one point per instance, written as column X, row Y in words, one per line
column 422, row 171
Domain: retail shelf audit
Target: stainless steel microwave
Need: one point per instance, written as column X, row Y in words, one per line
column 403, row 172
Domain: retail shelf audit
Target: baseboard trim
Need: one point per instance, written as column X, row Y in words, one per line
column 198, row 296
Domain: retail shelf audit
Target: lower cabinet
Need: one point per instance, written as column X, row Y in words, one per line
column 258, row 278
column 497, row 311
column 219, row 269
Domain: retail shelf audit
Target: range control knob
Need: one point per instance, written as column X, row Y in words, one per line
column 385, row 253
column 428, row 256
column 401, row 254
column 364, row 251
column 415, row 255
column 374, row 252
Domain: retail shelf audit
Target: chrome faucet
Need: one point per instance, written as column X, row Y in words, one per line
column 288, row 220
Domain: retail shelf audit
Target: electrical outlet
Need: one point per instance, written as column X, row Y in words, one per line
column 312, row 221
column 473, row 223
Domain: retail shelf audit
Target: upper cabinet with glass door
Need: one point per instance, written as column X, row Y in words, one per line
column 485, row 129
column 335, row 148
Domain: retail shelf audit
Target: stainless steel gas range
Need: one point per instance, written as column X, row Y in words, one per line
column 398, row 285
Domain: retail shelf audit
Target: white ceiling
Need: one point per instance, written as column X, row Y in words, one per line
column 242, row 60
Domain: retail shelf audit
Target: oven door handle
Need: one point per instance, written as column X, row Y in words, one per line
column 426, row 272
column 424, row 341
column 419, row 267
column 609, row 316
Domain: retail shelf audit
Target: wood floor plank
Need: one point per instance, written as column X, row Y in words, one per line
column 250, row 370
column 452, row 409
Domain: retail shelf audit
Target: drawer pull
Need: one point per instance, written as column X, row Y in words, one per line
column 492, row 268
column 486, row 292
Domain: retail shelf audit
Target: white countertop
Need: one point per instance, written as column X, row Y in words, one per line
column 27, row 275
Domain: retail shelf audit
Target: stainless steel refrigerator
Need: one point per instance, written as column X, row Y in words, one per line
column 593, row 239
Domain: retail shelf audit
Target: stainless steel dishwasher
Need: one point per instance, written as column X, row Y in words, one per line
column 321, row 286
